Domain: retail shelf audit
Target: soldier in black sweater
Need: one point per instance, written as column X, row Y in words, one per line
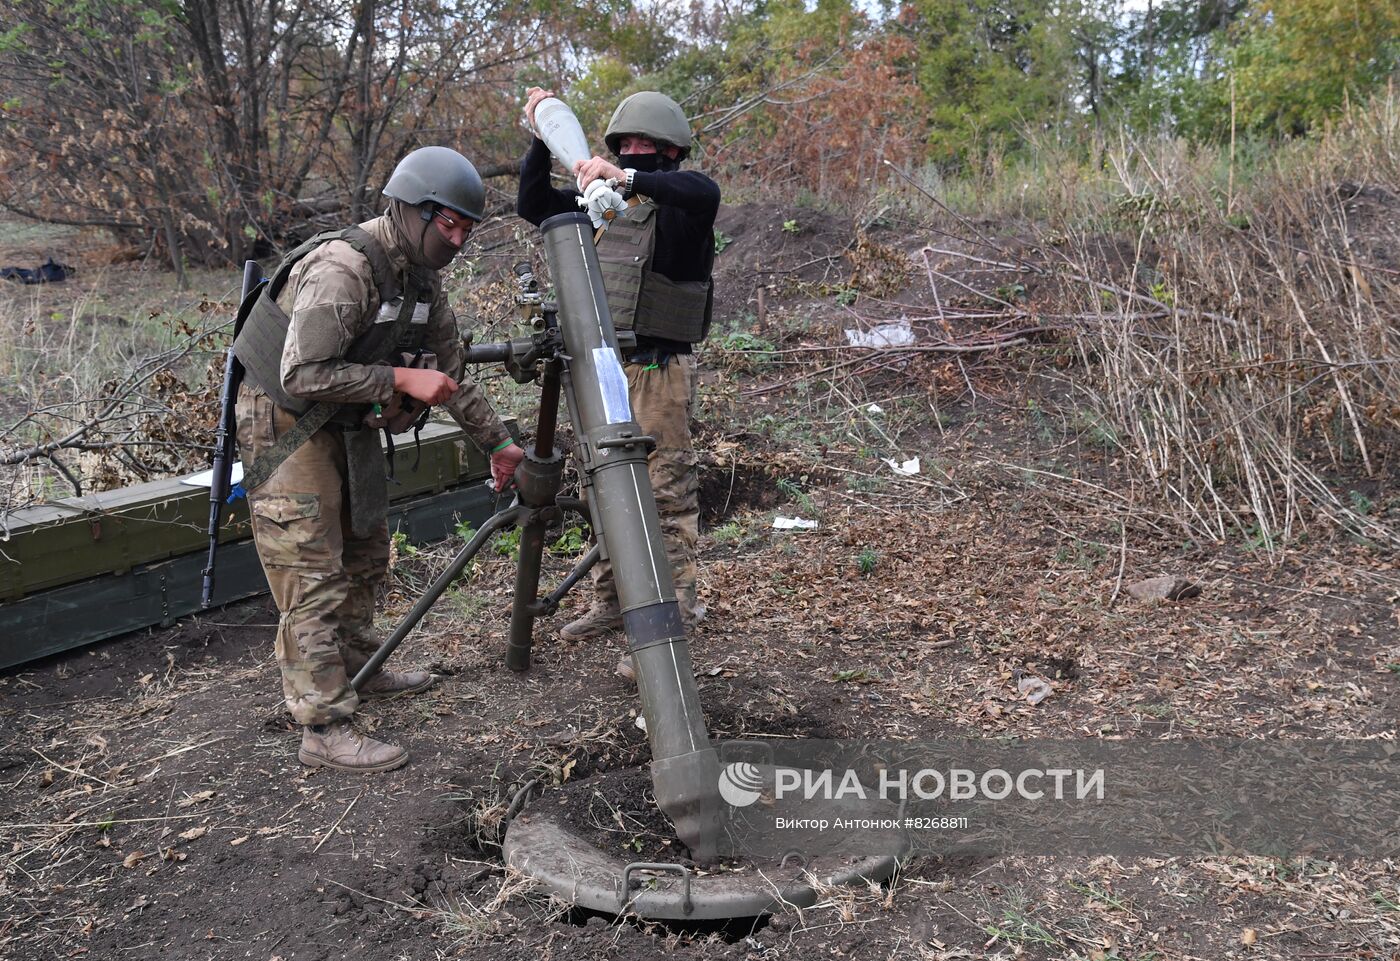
column 656, row 259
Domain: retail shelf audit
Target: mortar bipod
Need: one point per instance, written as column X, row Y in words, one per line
column 537, row 505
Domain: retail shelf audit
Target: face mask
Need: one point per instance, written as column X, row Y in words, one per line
column 437, row 251
column 422, row 244
column 646, row 163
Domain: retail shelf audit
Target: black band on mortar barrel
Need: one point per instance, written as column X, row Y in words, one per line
column 653, row 624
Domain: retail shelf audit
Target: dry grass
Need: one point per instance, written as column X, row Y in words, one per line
column 107, row 380
column 1250, row 366
column 1232, row 312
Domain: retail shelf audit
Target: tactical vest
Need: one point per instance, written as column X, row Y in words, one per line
column 402, row 324
column 641, row 299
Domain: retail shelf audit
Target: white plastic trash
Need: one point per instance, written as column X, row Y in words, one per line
column 793, row 524
column 1034, row 689
column 897, row 334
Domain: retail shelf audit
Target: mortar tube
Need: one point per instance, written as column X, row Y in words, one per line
column 613, row 454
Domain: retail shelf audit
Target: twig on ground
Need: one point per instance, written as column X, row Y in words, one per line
column 325, row 837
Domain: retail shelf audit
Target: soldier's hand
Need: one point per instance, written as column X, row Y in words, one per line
column 503, row 465
column 533, row 97
column 596, row 168
column 429, row 386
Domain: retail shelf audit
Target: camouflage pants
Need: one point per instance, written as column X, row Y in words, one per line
column 323, row 578
column 663, row 399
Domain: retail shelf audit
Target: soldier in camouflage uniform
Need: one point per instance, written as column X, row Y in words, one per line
column 324, row 544
column 656, row 260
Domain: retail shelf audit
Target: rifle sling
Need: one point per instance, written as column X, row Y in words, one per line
column 298, row 434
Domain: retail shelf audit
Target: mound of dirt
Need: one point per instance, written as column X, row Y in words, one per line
column 777, row 246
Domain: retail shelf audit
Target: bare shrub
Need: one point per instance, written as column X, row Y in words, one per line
column 1250, row 365
column 95, row 401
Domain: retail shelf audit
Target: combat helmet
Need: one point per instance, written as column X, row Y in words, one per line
column 442, row 176
column 652, row 115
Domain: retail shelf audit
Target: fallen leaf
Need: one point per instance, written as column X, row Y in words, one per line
column 133, row 859
column 190, row 800
column 237, row 841
column 193, row 833
column 170, row 854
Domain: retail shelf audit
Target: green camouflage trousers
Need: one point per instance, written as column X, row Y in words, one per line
column 322, row 577
column 663, row 399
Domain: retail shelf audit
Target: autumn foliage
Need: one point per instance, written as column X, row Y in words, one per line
column 208, row 130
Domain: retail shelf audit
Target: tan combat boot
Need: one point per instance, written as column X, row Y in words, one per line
column 626, row 668
column 393, row 683
column 693, row 615
column 340, row 746
column 601, row 618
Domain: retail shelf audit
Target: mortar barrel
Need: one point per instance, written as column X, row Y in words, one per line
column 613, row 454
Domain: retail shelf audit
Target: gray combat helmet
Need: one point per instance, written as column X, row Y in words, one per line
column 652, row 115
column 439, row 175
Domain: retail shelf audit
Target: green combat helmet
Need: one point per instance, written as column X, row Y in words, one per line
column 652, row 115
column 442, row 176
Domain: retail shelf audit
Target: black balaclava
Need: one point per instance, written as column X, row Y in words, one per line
column 648, row 163
column 422, row 243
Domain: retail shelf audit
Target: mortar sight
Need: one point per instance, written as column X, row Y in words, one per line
column 533, row 309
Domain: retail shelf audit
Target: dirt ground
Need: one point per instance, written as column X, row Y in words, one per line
column 151, row 805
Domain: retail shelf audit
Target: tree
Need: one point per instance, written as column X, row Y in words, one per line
column 990, row 69
column 1299, row 60
column 216, row 126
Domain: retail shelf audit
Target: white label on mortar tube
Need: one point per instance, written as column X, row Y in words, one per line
column 612, row 383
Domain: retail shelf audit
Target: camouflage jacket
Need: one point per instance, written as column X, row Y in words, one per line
column 331, row 299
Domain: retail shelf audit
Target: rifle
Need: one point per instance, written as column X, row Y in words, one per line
column 227, row 434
